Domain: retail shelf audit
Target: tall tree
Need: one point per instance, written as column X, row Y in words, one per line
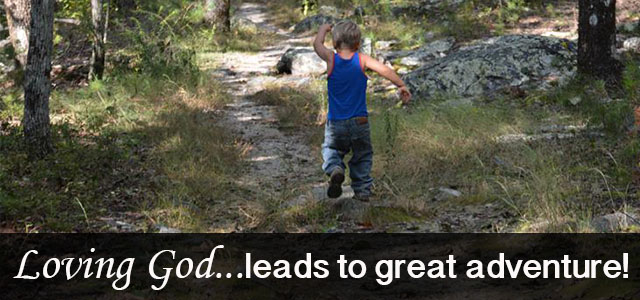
column 19, row 20
column 37, row 86
column 96, row 68
column 597, row 37
column 218, row 14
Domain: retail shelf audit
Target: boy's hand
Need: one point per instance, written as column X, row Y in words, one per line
column 325, row 28
column 405, row 95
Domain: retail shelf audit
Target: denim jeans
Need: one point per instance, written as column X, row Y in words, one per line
column 341, row 137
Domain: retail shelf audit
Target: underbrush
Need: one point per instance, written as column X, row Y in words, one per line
column 555, row 182
column 131, row 145
column 411, row 25
column 570, row 159
column 139, row 148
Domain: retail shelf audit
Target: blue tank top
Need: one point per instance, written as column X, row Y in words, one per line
column 347, row 85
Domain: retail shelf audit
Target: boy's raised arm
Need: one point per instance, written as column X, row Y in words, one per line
column 388, row 73
column 318, row 43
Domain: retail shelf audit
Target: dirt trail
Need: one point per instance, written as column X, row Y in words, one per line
column 275, row 159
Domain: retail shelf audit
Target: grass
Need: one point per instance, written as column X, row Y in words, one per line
column 565, row 182
column 143, row 146
column 132, row 144
column 548, row 185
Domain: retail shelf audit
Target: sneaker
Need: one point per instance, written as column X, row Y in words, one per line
column 362, row 197
column 335, row 183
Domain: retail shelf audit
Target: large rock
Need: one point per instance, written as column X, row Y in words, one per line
column 435, row 49
column 313, row 22
column 301, row 61
column 496, row 64
column 418, row 57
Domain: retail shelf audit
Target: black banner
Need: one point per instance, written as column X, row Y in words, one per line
column 320, row 266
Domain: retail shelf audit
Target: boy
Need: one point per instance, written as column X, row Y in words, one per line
column 347, row 127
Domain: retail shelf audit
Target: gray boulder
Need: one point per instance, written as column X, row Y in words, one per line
column 419, row 57
column 494, row 65
column 313, row 22
column 301, row 61
column 435, row 49
column 632, row 44
column 613, row 222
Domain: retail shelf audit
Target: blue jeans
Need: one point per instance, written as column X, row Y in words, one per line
column 341, row 137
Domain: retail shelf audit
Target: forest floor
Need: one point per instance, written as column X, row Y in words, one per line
column 283, row 170
column 283, row 165
column 198, row 133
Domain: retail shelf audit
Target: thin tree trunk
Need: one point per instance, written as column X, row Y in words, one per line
column 106, row 22
column 37, row 87
column 96, row 69
column 218, row 14
column 19, row 20
column 597, row 36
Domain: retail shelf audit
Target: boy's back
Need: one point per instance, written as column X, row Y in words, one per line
column 347, row 127
column 347, row 85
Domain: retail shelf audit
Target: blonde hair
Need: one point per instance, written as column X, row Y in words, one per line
column 346, row 34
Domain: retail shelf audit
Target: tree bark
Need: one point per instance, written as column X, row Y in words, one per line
column 597, row 37
column 218, row 14
column 37, row 86
column 19, row 20
column 96, row 68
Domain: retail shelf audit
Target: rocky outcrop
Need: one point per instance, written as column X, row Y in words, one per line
column 313, row 22
column 301, row 61
column 432, row 50
column 418, row 57
column 494, row 65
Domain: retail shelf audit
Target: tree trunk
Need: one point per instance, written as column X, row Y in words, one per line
column 96, row 69
column 218, row 14
column 597, row 37
column 37, row 86
column 19, row 20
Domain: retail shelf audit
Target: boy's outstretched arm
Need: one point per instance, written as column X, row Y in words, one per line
column 318, row 44
column 388, row 73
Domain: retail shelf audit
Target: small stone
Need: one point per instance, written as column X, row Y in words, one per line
column 445, row 193
column 430, row 35
column 632, row 44
column 385, row 45
column 613, row 222
column 575, row 100
column 168, row 230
